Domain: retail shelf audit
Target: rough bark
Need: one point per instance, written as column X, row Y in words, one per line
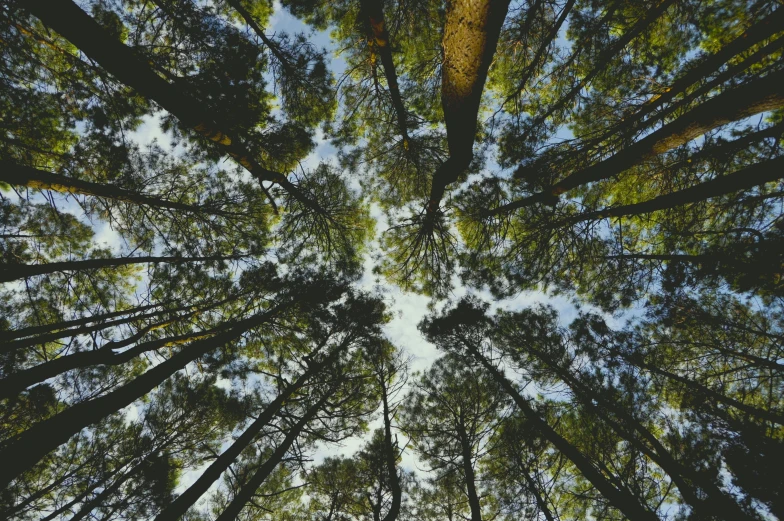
column 736, row 104
column 471, row 34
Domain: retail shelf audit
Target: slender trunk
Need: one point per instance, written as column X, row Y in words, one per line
column 188, row 498
column 88, row 508
column 10, row 272
column 391, row 460
column 246, row 493
column 705, row 391
column 530, row 70
column 540, row 502
column 23, row 451
column 373, row 12
column 83, row 330
column 20, row 175
column 272, row 46
column 717, row 503
column 747, row 100
column 603, row 60
column 15, row 383
column 618, row 498
column 471, row 34
column 744, row 179
column 466, row 456
column 46, row 328
column 68, row 19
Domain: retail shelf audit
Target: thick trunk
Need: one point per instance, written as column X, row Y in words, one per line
column 10, row 272
column 470, row 38
column 620, row 499
column 22, row 452
column 466, row 456
column 20, row 175
column 744, row 179
column 188, row 498
column 704, row 68
column 752, row 98
column 373, row 11
column 246, row 493
column 68, row 19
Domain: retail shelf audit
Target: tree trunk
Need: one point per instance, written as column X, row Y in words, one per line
column 246, row 493
column 707, row 392
column 736, row 104
column 373, row 11
column 46, row 328
column 468, row 474
column 744, row 179
column 701, row 70
column 616, row 47
column 68, row 19
column 20, row 175
column 391, row 460
column 188, row 498
column 717, row 504
column 620, row 499
column 15, row 383
column 22, row 452
column 471, row 34
column 10, row 272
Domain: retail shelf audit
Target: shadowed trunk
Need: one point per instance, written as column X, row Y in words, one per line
column 245, row 494
column 620, row 499
column 189, row 497
column 470, row 37
column 22, row 452
column 373, row 12
column 68, row 19
column 20, row 175
column 10, row 272
column 743, row 179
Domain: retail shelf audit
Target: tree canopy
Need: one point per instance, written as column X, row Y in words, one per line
column 207, row 206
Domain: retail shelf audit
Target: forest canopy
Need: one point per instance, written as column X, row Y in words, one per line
column 210, row 212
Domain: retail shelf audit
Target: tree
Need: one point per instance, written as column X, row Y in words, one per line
column 184, row 322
